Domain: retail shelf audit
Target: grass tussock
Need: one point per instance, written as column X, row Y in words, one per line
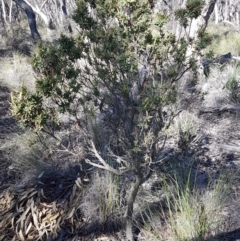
column 225, row 39
column 221, row 87
column 187, row 212
column 16, row 71
column 27, row 154
column 102, row 200
column 213, row 92
column 233, row 84
column 185, row 127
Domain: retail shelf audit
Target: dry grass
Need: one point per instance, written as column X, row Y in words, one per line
column 102, row 201
column 221, row 87
column 225, row 39
column 16, row 71
column 26, row 153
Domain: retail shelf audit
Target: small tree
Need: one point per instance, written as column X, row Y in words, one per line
column 121, row 71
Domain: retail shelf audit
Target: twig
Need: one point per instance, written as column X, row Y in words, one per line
column 103, row 164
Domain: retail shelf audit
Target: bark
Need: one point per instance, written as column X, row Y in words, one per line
column 129, row 211
column 65, row 20
column 10, row 12
column 216, row 13
column 202, row 20
column 31, row 18
column 4, row 12
column 226, row 12
column 140, row 179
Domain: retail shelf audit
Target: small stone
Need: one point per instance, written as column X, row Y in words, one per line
column 205, row 141
column 190, row 151
column 214, row 159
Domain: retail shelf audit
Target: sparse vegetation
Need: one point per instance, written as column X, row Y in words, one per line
column 115, row 139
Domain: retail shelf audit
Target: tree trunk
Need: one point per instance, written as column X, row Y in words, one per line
column 237, row 18
column 129, row 211
column 216, row 13
column 140, row 179
column 10, row 12
column 226, row 12
column 47, row 21
column 198, row 23
column 202, row 20
column 4, row 12
column 31, row 18
column 65, row 20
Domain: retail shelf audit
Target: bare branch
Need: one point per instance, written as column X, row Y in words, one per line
column 229, row 147
column 104, row 164
column 42, row 5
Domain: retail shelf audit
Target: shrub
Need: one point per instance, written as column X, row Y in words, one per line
column 120, row 72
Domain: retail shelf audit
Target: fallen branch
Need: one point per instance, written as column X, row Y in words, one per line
column 229, row 147
column 236, row 58
column 228, row 107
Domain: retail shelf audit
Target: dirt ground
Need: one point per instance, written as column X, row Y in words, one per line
column 7, row 127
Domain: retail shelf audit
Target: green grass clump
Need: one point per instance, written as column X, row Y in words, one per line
column 184, row 127
column 233, row 85
column 188, row 213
